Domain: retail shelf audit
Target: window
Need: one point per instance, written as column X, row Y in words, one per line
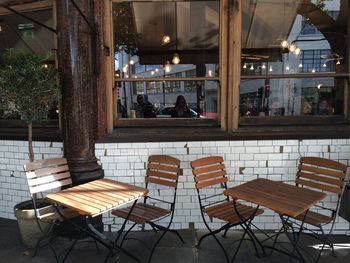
column 166, row 49
column 293, row 65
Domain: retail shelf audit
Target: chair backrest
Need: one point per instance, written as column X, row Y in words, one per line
column 163, row 170
column 321, row 174
column 47, row 174
column 209, row 171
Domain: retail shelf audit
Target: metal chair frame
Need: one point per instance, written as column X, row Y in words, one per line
column 333, row 173
column 43, row 176
column 156, row 176
column 244, row 222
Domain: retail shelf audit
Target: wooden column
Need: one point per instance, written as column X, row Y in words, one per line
column 234, row 63
column 78, row 67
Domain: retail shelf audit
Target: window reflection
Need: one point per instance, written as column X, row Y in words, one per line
column 150, row 34
column 304, row 39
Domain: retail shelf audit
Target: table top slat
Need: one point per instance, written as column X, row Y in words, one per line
column 134, row 190
column 93, row 191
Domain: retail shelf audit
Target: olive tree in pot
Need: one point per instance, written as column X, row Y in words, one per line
column 30, row 88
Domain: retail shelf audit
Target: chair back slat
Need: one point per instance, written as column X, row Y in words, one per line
column 211, row 182
column 207, row 161
column 317, row 170
column 49, row 186
column 47, row 174
column 321, row 174
column 209, row 171
column 163, row 170
column 160, row 182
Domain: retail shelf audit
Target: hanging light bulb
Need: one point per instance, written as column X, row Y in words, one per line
column 287, row 67
column 313, row 70
column 167, row 67
column 324, row 65
column 292, row 47
column 319, row 86
column 251, row 67
column 284, row 43
column 176, row 59
column 263, row 66
column 152, row 72
column 300, row 65
column 245, row 66
column 131, row 62
column 338, row 62
column 210, row 73
column 156, row 69
column 0, row 28
column 270, row 69
column 125, row 68
column 166, row 40
column 297, row 51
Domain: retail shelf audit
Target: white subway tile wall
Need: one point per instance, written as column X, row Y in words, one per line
column 244, row 160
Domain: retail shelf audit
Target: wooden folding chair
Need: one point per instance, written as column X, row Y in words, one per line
column 324, row 175
column 163, row 173
column 209, row 172
column 45, row 176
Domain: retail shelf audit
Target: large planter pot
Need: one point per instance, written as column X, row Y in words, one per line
column 28, row 224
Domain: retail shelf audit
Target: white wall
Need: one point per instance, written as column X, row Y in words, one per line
column 273, row 159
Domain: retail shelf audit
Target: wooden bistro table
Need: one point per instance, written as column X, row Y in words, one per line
column 285, row 199
column 95, row 198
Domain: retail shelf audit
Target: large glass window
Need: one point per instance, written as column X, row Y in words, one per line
column 166, row 51
column 294, row 61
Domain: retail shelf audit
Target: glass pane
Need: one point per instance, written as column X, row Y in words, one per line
column 293, row 37
column 164, row 39
column 167, row 99
column 292, row 96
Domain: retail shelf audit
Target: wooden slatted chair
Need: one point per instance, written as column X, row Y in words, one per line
column 45, row 176
column 325, row 175
column 210, row 172
column 162, row 172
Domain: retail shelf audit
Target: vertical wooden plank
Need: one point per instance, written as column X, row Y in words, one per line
column 222, row 109
column 234, row 63
column 108, row 41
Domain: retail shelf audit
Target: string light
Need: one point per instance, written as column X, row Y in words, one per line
column 252, row 67
column 284, row 43
column 210, row 73
column 152, row 72
column 300, row 65
column 245, row 66
column 297, row 51
column 338, row 62
column 270, row 69
column 313, row 70
column 166, row 40
column 132, row 62
column 45, row 66
column 176, row 59
column 324, row 65
column 292, row 47
column 156, row 69
column 125, row 68
column 319, row 86
column 263, row 66
column 287, row 67
column 167, row 67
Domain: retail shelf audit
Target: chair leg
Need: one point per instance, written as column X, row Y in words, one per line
column 155, row 226
column 69, row 250
column 239, row 245
column 155, row 245
column 126, row 233
column 326, row 241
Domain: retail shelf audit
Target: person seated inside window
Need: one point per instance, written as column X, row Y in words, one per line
column 144, row 109
column 325, row 107
column 181, row 110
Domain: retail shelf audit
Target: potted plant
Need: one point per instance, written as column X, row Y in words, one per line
column 28, row 87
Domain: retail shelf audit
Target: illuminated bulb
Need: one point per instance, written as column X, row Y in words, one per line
column 125, row 68
column 132, row 62
column 176, row 59
column 156, row 69
column 319, row 86
column 210, row 73
column 338, row 62
column 284, row 43
column 270, row 69
column 300, row 65
column 45, row 66
column 297, row 51
column 152, row 72
column 135, row 77
column 0, row 28
column 287, row 67
column 245, row 66
column 117, row 75
column 263, row 66
column 292, row 48
column 127, row 76
column 252, row 67
column 324, row 65
column 313, row 70
column 166, row 40
column 57, row 111
column 167, row 67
